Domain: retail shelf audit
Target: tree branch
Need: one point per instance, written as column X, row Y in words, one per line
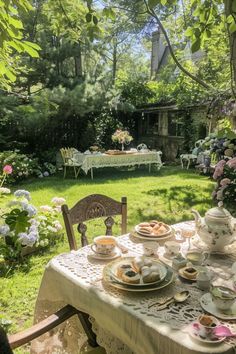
column 186, row 72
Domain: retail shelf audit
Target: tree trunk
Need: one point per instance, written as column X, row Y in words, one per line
column 232, row 43
column 78, row 62
column 114, row 61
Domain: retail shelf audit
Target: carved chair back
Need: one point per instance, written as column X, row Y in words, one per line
column 92, row 207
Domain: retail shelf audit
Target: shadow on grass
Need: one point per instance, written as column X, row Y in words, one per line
column 178, row 201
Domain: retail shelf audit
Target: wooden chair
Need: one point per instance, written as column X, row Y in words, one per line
column 68, row 157
column 92, row 207
column 17, row 340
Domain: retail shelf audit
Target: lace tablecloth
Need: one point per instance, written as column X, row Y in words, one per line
column 103, row 160
column 124, row 322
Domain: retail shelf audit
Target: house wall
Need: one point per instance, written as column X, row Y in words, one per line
column 171, row 146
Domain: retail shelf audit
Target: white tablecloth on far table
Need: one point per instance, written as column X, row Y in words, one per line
column 123, row 321
column 91, row 161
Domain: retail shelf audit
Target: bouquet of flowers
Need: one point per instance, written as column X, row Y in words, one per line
column 122, row 137
column 25, row 226
column 225, row 191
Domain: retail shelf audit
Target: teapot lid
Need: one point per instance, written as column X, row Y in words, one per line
column 218, row 212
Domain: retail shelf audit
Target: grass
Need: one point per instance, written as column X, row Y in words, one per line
column 167, row 195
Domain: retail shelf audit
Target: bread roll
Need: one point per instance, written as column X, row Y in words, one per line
column 130, row 276
column 190, row 272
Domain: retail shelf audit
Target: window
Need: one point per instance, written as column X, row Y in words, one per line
column 175, row 123
column 152, row 123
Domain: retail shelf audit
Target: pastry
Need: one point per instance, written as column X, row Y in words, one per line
column 146, row 229
column 189, row 272
column 153, row 223
column 144, row 224
column 150, row 276
column 130, row 276
column 159, row 231
column 122, row 268
column 138, row 263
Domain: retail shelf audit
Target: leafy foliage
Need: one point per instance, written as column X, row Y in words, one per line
column 12, row 40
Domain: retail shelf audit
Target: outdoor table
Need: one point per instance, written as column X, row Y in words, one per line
column 123, row 321
column 98, row 160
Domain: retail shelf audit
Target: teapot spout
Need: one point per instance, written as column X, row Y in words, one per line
column 197, row 217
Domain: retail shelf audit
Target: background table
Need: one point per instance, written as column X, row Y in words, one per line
column 123, row 321
column 91, row 161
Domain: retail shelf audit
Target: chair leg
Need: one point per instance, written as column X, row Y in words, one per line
column 87, row 326
column 75, row 172
column 64, row 172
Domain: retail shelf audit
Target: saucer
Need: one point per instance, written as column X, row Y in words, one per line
column 209, row 306
column 113, row 255
column 195, row 334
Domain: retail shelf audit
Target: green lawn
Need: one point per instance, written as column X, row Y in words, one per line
column 168, row 195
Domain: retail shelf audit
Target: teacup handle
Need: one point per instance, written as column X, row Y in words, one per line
column 92, row 247
column 205, row 255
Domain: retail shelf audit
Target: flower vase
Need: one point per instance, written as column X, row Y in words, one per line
column 122, row 147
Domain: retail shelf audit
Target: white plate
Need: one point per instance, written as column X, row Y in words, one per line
column 167, row 281
column 114, row 255
column 114, row 266
column 150, row 238
column 168, row 232
column 209, row 306
column 194, row 334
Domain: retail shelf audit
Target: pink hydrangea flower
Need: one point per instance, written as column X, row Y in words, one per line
column 7, row 169
column 219, row 169
column 232, row 163
column 225, row 181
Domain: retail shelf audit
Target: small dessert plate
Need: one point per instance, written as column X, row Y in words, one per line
column 113, row 255
column 195, row 333
column 181, row 273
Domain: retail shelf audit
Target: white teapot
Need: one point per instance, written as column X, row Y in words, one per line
column 217, row 229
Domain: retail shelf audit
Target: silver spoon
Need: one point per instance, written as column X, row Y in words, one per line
column 178, row 297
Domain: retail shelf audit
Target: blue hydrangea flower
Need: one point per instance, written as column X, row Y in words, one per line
column 31, row 210
column 4, row 230
column 28, row 239
column 22, row 193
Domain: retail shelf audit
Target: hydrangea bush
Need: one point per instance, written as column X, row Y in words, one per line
column 23, row 166
column 24, row 225
column 225, row 191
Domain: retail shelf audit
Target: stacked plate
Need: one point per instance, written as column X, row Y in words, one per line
column 110, row 276
column 153, row 231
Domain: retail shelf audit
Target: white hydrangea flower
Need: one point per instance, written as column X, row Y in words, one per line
column 57, row 225
column 52, row 229
column 58, row 201
column 46, row 208
column 4, row 190
column 4, row 230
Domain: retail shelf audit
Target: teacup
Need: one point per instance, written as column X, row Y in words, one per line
column 222, row 297
column 150, row 248
column 196, row 257
column 207, row 325
column 172, row 248
column 104, row 245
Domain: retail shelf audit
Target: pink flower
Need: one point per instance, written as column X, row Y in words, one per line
column 225, row 181
column 232, row 163
column 7, row 169
column 219, row 169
